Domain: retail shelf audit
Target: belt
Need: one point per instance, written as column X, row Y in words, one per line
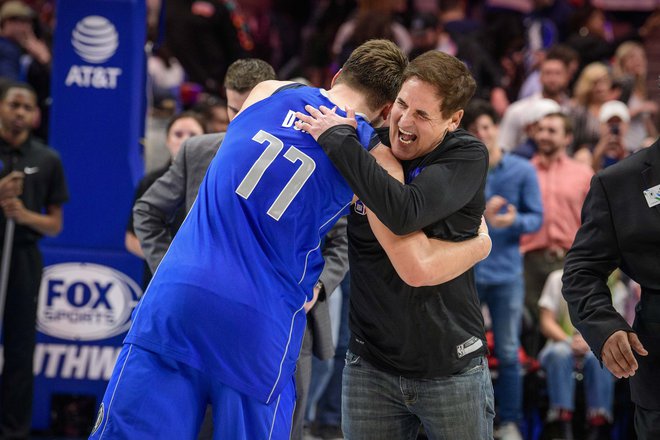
column 549, row 254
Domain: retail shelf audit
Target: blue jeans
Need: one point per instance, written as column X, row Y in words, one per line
column 558, row 361
column 505, row 304
column 378, row 405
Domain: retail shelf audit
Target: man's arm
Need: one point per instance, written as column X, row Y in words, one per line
column 592, row 258
column 402, row 208
column 419, row 260
column 49, row 223
column 153, row 212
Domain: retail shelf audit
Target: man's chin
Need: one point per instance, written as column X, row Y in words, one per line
column 401, row 152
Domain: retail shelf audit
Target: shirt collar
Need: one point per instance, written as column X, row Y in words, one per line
column 21, row 150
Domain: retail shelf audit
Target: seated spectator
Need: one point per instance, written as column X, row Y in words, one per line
column 565, row 351
column 180, row 128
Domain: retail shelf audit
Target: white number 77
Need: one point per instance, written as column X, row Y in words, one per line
column 294, row 185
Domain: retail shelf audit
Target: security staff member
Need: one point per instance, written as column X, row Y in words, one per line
column 621, row 228
column 36, row 212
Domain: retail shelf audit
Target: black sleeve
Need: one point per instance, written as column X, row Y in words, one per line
column 442, row 188
column 592, row 258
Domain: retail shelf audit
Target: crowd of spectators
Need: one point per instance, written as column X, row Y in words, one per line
column 569, row 80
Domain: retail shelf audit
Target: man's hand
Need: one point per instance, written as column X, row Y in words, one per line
column 321, row 119
column 617, row 353
column 35, row 47
column 11, row 185
column 309, row 304
column 493, row 215
column 14, row 209
column 579, row 345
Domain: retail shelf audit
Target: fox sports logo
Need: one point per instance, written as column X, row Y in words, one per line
column 95, row 39
column 83, row 301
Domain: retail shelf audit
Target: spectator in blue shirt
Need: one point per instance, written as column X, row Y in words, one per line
column 513, row 208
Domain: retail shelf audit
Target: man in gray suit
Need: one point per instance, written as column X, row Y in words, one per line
column 154, row 211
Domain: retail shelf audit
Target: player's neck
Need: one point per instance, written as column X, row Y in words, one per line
column 343, row 95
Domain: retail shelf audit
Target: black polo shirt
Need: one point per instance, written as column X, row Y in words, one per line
column 422, row 332
column 44, row 182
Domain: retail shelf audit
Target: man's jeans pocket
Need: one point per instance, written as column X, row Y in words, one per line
column 352, row 359
column 475, row 365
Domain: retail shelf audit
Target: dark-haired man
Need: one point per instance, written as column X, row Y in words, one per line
column 621, row 228
column 416, row 353
column 36, row 211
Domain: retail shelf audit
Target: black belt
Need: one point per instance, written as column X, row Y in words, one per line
column 557, row 254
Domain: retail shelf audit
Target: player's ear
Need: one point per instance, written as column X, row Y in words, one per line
column 385, row 112
column 334, row 78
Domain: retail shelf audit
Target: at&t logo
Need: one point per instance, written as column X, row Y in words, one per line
column 82, row 301
column 95, row 40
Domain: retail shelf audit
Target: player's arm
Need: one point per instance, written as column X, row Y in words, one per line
column 262, row 91
column 403, row 208
column 419, row 260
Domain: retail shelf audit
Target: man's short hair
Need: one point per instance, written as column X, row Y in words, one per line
column 562, row 53
column 375, row 69
column 568, row 125
column 450, row 77
column 245, row 73
column 477, row 108
column 6, row 86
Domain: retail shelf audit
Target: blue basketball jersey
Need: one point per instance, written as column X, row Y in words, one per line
column 228, row 296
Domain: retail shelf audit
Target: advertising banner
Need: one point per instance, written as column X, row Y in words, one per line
column 91, row 284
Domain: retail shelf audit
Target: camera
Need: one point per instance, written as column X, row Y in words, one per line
column 614, row 129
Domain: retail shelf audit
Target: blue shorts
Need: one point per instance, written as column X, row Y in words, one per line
column 154, row 397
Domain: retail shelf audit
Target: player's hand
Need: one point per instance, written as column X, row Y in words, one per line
column 14, row 209
column 386, row 159
column 617, row 353
column 321, row 119
column 11, row 185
